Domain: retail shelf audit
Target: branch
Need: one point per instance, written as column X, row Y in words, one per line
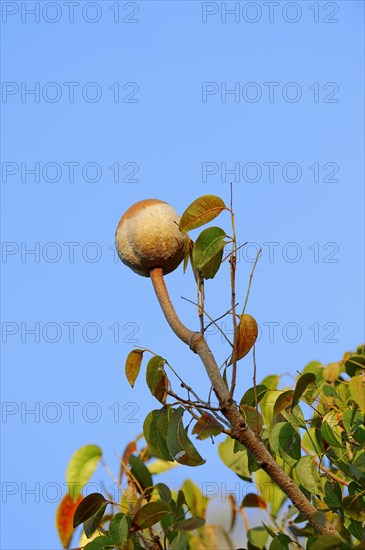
column 240, row 430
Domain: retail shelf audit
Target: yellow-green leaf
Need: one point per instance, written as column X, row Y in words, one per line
column 201, row 211
column 238, row 462
column 308, row 476
column 133, row 365
column 331, row 372
column 357, row 390
column 209, row 243
column 81, row 467
column 269, row 491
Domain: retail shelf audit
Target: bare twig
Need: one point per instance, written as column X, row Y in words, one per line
column 232, row 262
column 250, row 281
column 201, row 296
column 255, row 390
column 212, row 321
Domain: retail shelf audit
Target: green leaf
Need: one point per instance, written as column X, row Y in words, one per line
column 284, row 400
column 237, row 462
column 164, row 492
column 178, row 443
column 180, row 542
column 209, row 243
column 156, row 378
column 356, row 529
column 289, row 444
column 140, row 472
column 355, row 365
column 201, row 211
column 189, row 245
column 89, row 506
column 99, row 543
column 249, row 396
column 257, row 536
column 302, row 384
column 331, row 430
column 274, row 436
column 210, row 269
column 333, row 492
column 190, row 524
column 81, row 467
column 155, row 432
column 207, row 426
column 329, row 542
column 307, row 475
column 150, row 514
column 354, row 507
column 295, row 417
column 119, row 529
column 280, row 542
column 91, row 524
column 133, row 365
column 357, row 391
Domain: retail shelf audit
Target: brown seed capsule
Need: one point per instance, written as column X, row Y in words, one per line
column 148, row 236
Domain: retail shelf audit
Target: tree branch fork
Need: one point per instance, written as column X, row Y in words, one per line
column 239, row 428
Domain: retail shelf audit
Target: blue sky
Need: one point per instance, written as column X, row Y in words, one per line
column 168, row 100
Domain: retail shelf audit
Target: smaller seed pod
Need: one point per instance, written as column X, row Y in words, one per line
column 148, row 236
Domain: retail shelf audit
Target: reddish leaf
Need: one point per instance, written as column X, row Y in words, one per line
column 130, row 449
column 206, row 426
column 253, row 501
column 247, row 334
column 64, row 519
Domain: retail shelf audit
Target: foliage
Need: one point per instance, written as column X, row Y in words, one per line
column 314, row 430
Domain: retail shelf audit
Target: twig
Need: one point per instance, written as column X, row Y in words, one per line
column 250, row 281
column 255, row 390
column 218, row 318
column 213, row 322
column 234, row 251
column 244, row 518
column 232, row 262
column 201, row 304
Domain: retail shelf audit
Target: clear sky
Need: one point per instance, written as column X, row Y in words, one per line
column 106, row 103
